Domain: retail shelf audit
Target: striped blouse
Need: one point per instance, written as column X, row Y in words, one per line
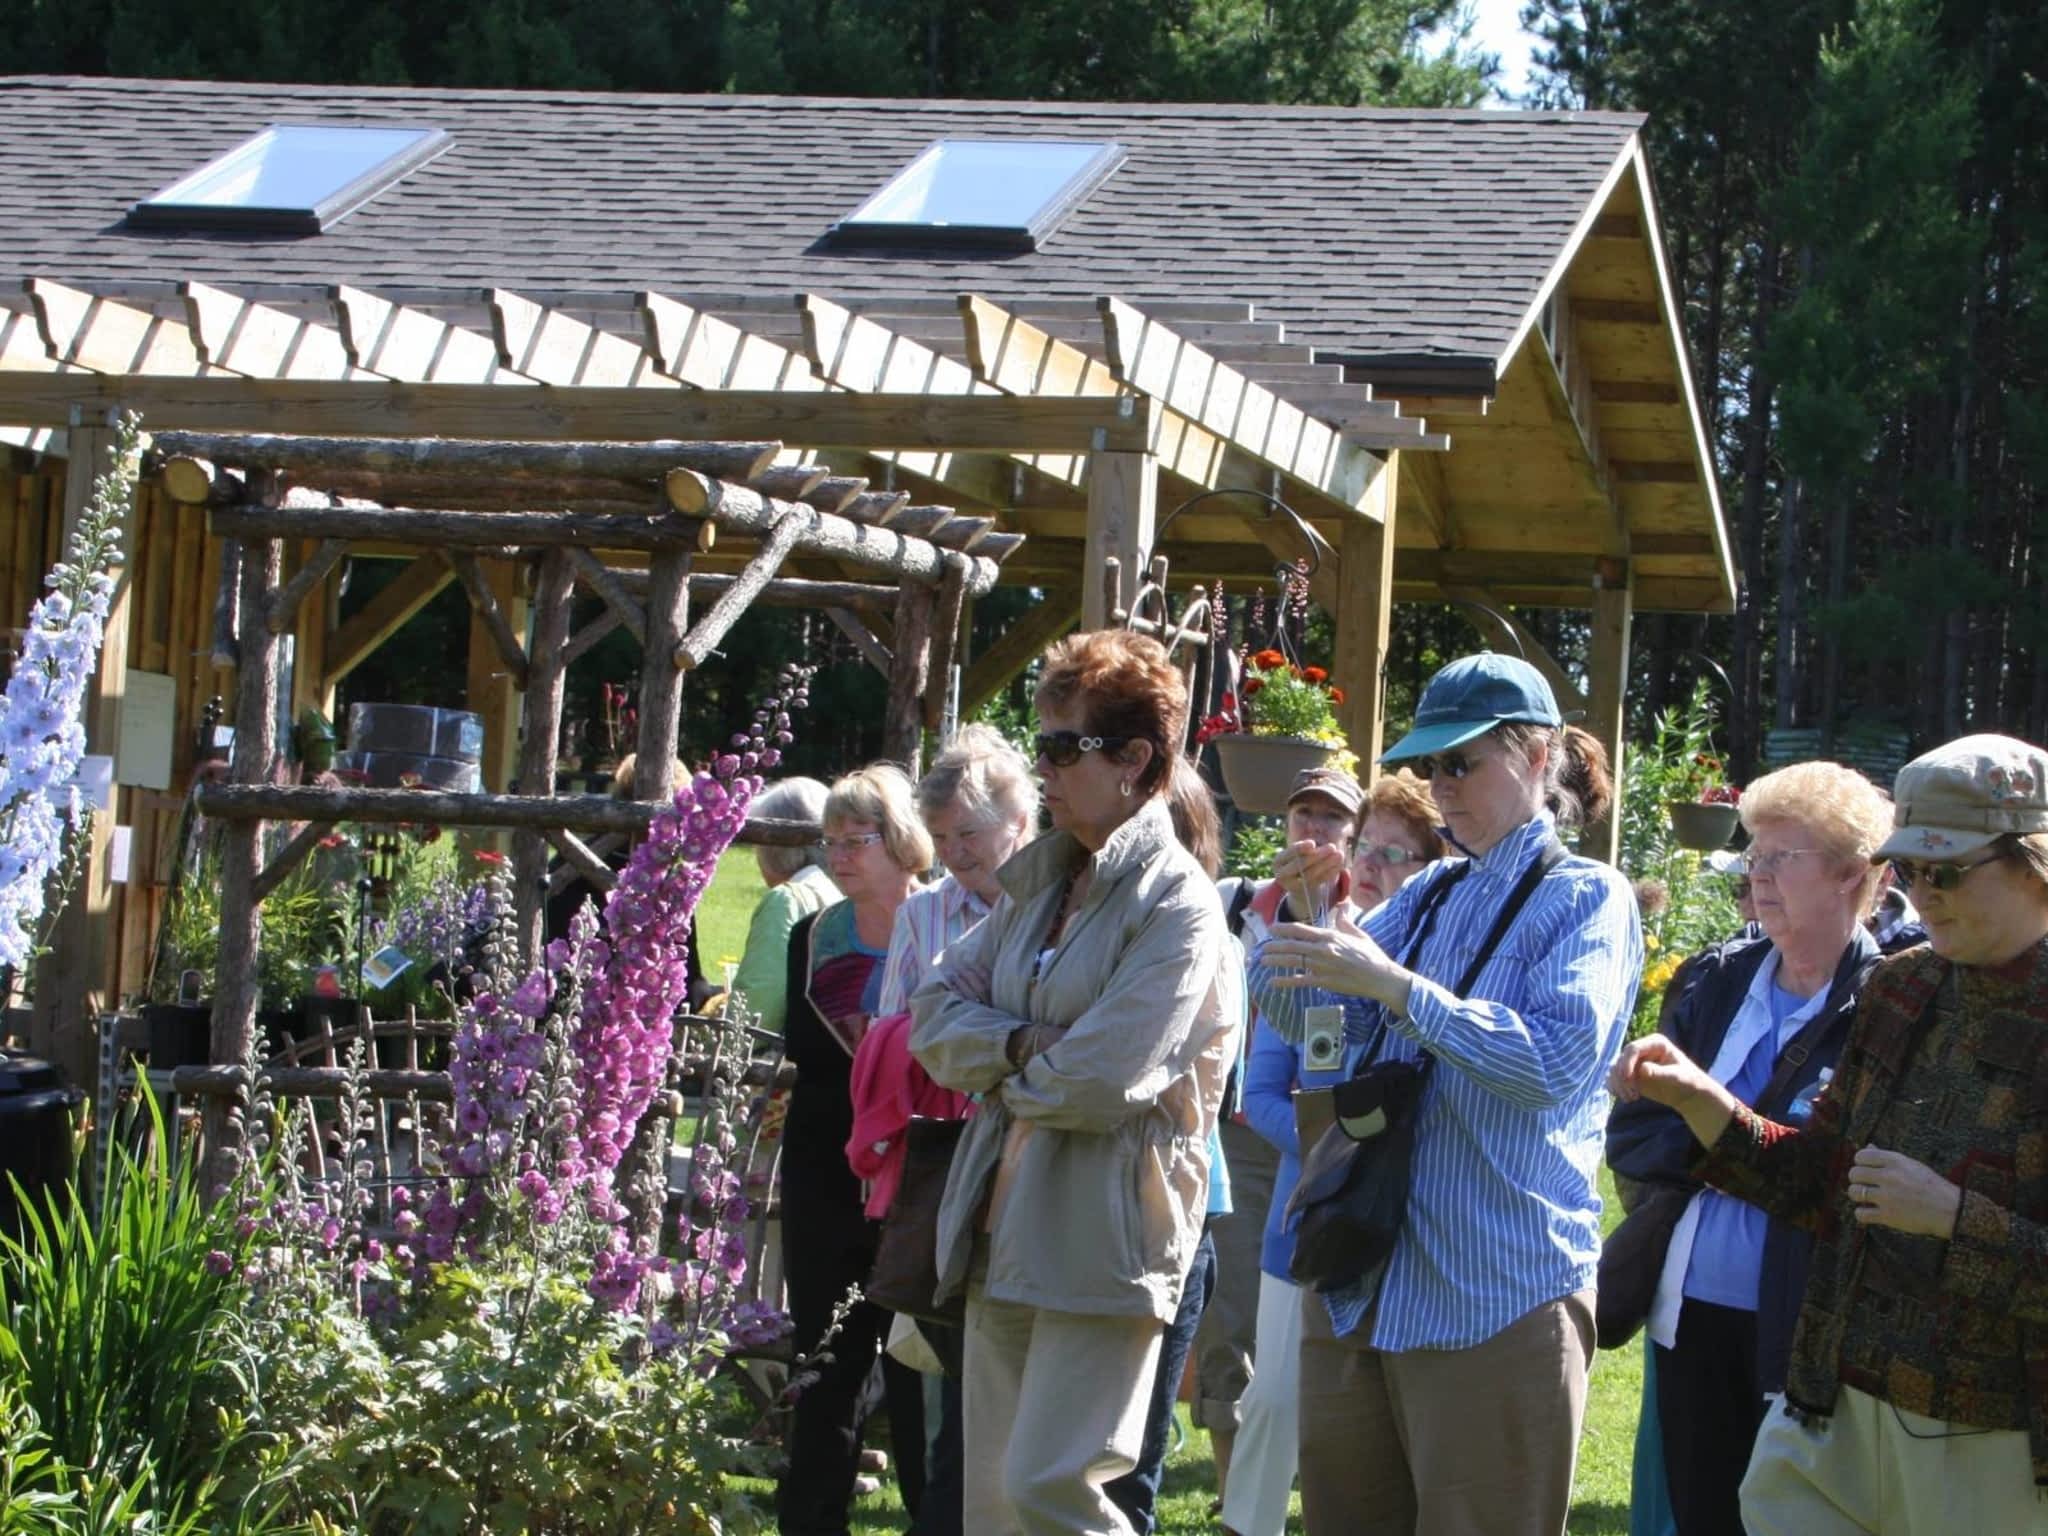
column 926, row 925
column 1504, row 1211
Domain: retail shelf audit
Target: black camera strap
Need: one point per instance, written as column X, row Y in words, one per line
column 1552, row 855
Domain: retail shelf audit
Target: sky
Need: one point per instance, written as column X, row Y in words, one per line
column 1499, row 30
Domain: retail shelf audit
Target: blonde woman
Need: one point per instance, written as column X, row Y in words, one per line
column 1769, row 1016
column 875, row 849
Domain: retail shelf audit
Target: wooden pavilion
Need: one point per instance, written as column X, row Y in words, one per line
column 1447, row 341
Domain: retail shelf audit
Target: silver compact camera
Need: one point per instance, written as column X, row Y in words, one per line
column 1322, row 1042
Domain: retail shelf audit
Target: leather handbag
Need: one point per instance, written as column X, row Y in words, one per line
column 1632, row 1262
column 905, row 1276
column 1351, row 1203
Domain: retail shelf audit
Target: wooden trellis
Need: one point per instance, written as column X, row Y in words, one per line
column 459, row 502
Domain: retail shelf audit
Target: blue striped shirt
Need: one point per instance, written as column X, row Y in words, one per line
column 1504, row 1210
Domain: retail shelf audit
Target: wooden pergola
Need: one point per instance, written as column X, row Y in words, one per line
column 934, row 446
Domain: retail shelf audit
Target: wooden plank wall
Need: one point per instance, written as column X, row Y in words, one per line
column 171, row 592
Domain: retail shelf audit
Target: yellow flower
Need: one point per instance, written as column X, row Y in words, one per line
column 1652, row 942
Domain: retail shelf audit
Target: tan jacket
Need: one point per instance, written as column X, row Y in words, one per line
column 1109, row 1184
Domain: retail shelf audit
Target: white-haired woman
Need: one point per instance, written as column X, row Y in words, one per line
column 876, row 848
column 1916, row 1395
column 1770, row 1015
column 797, row 886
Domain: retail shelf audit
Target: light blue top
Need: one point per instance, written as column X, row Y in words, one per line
column 1270, row 1078
column 1727, row 1262
column 1503, row 1211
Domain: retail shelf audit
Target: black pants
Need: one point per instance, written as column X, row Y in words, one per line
column 1136, row 1493
column 1709, row 1408
column 829, row 1245
column 941, row 1513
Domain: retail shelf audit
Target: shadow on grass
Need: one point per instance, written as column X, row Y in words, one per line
column 1598, row 1518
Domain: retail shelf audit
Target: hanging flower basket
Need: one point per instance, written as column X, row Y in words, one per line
column 1259, row 771
column 1703, row 827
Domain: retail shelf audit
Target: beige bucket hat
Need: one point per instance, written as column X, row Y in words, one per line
column 1959, row 797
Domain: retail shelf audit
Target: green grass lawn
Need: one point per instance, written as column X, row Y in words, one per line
column 1600, row 1497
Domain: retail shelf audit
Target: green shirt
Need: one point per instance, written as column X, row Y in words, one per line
column 763, row 976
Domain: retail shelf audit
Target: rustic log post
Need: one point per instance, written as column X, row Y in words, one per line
column 737, row 598
column 545, row 676
column 945, row 641
column 234, row 1001
column 644, row 1175
column 909, row 665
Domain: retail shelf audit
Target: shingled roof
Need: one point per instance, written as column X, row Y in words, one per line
column 1377, row 235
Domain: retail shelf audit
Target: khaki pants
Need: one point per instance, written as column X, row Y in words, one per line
column 1444, row 1442
column 1872, row 1468
column 1055, row 1407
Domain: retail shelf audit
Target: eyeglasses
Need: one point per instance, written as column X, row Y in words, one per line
column 1063, row 749
column 851, row 843
column 1754, row 864
column 1939, row 877
column 1454, row 764
column 1393, row 855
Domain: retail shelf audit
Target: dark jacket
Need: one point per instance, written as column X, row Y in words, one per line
column 821, row 1102
column 1647, row 1142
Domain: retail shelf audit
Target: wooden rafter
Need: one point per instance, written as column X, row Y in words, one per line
column 262, row 341
column 484, row 603
column 595, row 575
column 105, row 336
column 557, row 348
column 1057, row 612
column 710, row 353
column 713, row 626
column 400, row 342
column 385, row 615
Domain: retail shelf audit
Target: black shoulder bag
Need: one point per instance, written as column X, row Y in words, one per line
column 1353, row 1196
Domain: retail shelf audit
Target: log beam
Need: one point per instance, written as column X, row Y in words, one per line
column 441, row 808
column 284, row 602
column 384, row 615
column 872, row 651
column 1019, row 646
column 1606, row 698
column 547, row 671
column 910, row 661
column 597, row 576
column 945, row 643
column 483, row 602
column 708, row 631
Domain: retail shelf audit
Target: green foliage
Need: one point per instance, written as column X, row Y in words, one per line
column 304, row 923
column 1688, row 905
column 114, row 1328
column 509, row 1403
column 190, row 940
column 1253, row 847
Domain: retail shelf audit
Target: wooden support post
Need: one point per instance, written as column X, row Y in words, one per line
column 77, row 975
column 945, row 643
column 493, row 686
column 234, row 1000
column 661, row 675
column 386, row 614
column 872, row 651
column 909, row 665
column 1018, row 646
column 597, row 576
column 537, row 752
column 1606, row 693
column 1365, row 610
column 1123, row 506
column 483, row 604
column 655, row 773
column 284, row 602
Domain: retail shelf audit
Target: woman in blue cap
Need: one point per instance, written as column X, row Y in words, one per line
column 1445, row 1392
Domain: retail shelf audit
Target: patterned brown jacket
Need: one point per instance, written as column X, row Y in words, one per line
column 1948, row 1065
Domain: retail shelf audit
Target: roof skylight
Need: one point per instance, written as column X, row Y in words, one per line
column 1007, row 193
column 292, row 178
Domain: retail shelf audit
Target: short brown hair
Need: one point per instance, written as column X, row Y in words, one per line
column 1124, row 686
column 1406, row 798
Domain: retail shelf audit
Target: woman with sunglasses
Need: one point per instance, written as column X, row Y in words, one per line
column 1396, row 841
column 1094, row 1013
column 875, row 848
column 1916, row 1394
column 1769, row 1014
column 1446, row 1392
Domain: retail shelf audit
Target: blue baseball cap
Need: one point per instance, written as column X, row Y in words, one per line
column 1470, row 697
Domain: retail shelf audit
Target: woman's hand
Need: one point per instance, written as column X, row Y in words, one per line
column 1891, row 1190
column 1654, row 1068
column 1307, row 870
column 1340, row 958
column 1029, row 1040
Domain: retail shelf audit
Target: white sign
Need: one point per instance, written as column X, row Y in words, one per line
column 149, row 712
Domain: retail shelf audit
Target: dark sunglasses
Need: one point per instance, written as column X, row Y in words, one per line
column 1454, row 764
column 1939, row 877
column 1063, row 749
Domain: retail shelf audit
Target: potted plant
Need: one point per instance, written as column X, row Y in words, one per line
column 1283, row 719
column 179, row 1012
column 1705, row 812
